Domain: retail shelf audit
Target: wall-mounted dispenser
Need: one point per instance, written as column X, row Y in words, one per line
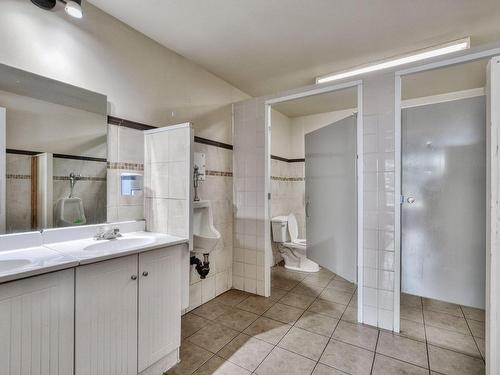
column 199, row 161
column 198, row 172
column 131, row 183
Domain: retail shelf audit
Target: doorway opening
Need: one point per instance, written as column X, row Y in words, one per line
column 313, row 203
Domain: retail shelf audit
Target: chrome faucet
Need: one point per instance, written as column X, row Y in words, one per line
column 110, row 234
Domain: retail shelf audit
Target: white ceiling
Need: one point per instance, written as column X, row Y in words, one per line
column 265, row 46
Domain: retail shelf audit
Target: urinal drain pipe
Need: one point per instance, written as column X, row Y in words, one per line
column 203, row 268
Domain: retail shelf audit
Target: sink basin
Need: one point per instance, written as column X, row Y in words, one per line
column 10, row 264
column 119, row 243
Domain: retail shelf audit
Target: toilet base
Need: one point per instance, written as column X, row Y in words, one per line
column 306, row 265
column 296, row 260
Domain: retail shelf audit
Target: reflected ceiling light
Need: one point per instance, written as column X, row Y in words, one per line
column 74, row 8
column 443, row 49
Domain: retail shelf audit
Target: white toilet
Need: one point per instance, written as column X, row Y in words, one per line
column 293, row 249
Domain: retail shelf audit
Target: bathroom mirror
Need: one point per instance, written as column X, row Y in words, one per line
column 54, row 137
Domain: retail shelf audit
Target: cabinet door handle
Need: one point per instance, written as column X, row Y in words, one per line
column 145, row 273
column 133, row 277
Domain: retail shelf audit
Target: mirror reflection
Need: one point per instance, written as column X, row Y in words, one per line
column 56, row 146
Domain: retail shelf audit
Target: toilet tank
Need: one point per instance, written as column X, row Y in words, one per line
column 280, row 229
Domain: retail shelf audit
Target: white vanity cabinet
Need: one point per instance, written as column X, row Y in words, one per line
column 106, row 317
column 36, row 325
column 159, row 304
column 128, row 313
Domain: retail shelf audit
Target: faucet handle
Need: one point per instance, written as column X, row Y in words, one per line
column 100, row 233
column 116, row 231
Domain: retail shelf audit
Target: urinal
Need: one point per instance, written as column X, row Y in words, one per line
column 70, row 212
column 205, row 236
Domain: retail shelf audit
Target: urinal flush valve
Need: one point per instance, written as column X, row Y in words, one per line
column 203, row 268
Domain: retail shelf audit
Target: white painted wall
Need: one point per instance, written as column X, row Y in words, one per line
column 306, row 124
column 281, row 134
column 287, row 134
column 143, row 80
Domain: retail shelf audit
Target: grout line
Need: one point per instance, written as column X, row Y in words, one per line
column 402, row 360
column 425, row 336
column 336, row 325
column 473, row 338
column 375, row 351
column 293, row 325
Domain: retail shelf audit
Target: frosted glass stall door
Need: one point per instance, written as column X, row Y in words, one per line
column 443, row 246
column 331, row 197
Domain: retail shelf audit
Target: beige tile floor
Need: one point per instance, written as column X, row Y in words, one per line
column 308, row 326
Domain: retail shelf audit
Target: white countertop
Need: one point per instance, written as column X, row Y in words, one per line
column 20, row 263
column 89, row 250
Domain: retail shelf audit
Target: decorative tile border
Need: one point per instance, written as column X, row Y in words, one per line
column 18, row 176
column 279, row 158
column 219, row 173
column 82, row 178
column 59, row 156
column 55, row 178
column 127, row 166
column 289, row 179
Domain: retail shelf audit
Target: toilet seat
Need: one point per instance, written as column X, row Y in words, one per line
column 298, row 244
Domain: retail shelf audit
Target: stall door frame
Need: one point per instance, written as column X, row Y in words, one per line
column 492, row 257
column 358, row 84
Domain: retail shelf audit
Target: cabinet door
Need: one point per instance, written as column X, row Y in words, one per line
column 106, row 318
column 159, row 304
column 36, row 325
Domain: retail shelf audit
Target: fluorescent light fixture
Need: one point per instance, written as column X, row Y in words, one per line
column 443, row 49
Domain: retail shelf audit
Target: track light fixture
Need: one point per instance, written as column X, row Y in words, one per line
column 72, row 7
column 45, row 4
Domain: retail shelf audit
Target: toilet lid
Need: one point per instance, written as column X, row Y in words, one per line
column 293, row 228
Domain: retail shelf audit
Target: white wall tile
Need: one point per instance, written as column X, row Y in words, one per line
column 250, row 285
column 386, row 260
column 386, row 280
column 370, row 277
column 194, row 295
column 238, row 269
column 207, row 289
column 370, row 315
column 370, row 258
column 386, row 319
column 386, row 300
column 370, row 297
